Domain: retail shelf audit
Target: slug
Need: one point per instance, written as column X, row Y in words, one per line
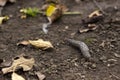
column 82, row 46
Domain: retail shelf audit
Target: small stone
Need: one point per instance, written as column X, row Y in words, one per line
column 93, row 66
column 103, row 59
column 66, row 27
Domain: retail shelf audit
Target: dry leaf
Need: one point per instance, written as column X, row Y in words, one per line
column 95, row 13
column 17, row 77
column 25, row 43
column 92, row 26
column 89, row 28
column 40, row 75
column 21, row 62
column 3, row 18
column 83, row 30
column 41, row 44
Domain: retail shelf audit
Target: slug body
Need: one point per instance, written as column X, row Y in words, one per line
column 82, row 46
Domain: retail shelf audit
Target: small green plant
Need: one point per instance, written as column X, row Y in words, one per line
column 89, row 40
column 30, row 11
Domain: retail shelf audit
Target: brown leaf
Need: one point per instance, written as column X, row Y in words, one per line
column 41, row 44
column 15, row 76
column 20, row 62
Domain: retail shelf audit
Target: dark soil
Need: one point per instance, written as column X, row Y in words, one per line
column 65, row 62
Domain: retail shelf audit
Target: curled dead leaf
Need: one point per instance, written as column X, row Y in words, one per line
column 15, row 76
column 95, row 13
column 20, row 62
column 41, row 44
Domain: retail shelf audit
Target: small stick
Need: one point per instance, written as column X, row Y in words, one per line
column 115, row 76
column 65, row 13
column 72, row 13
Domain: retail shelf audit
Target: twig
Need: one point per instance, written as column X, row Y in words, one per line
column 115, row 76
column 72, row 13
column 65, row 13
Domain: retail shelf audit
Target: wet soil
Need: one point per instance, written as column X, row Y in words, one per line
column 65, row 62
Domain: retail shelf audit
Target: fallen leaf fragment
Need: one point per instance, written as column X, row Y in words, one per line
column 102, row 44
column 15, row 76
column 21, row 62
column 83, row 30
column 40, row 75
column 95, row 13
column 3, row 19
column 25, row 43
column 89, row 28
column 41, row 44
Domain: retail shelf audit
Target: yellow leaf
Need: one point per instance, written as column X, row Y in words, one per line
column 41, row 44
column 50, row 10
column 17, row 77
column 3, row 18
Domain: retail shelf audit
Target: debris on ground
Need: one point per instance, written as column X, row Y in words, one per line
column 24, row 64
column 29, row 12
column 90, row 22
column 5, row 18
column 53, row 11
column 15, row 76
column 40, row 75
column 40, row 43
column 20, row 62
column 3, row 2
column 117, row 55
column 82, row 46
column 90, row 27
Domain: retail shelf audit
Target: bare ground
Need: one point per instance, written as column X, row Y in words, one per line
column 65, row 62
